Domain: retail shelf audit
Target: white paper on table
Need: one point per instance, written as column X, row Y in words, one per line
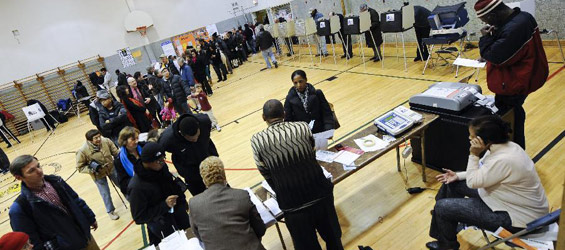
column 378, row 144
column 349, row 167
column 175, row 241
column 273, row 205
column 321, row 139
column 268, row 187
column 346, row 158
column 325, row 156
column 469, row 63
column 327, row 174
column 265, row 214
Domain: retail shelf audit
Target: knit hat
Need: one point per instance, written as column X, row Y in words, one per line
column 13, row 241
column 483, row 7
column 188, row 126
column 151, row 152
column 103, row 94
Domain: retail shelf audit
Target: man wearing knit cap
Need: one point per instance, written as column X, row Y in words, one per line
column 15, row 241
column 188, row 141
column 516, row 61
column 155, row 199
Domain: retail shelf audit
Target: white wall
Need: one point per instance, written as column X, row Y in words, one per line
column 58, row 32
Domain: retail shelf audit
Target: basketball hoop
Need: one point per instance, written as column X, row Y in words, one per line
column 142, row 30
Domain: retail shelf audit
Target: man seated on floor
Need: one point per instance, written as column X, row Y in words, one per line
column 223, row 217
column 502, row 187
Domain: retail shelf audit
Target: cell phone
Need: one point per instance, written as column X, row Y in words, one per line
column 339, row 147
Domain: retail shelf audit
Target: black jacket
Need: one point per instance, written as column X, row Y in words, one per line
column 117, row 118
column 148, row 190
column 187, row 155
column 265, row 40
column 176, row 89
column 318, row 109
column 44, row 222
column 375, row 29
column 421, row 15
column 199, row 68
column 138, row 113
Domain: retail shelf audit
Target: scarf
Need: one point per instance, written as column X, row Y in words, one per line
column 130, row 117
column 136, row 94
column 303, row 98
column 126, row 163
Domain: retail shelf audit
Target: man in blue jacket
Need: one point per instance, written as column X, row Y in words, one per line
column 49, row 210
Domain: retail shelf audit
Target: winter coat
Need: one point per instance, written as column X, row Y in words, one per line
column 516, row 60
column 318, row 109
column 187, row 75
column 103, row 156
column 117, row 120
column 44, row 222
column 265, row 40
column 174, row 88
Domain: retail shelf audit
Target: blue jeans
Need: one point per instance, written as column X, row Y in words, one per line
column 269, row 53
column 104, row 189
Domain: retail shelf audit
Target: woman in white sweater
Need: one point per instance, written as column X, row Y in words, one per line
column 499, row 189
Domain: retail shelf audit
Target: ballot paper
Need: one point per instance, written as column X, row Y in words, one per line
column 321, row 139
column 349, row 167
column 327, row 174
column 268, row 187
column 176, row 241
column 325, row 156
column 273, row 206
column 265, row 214
column 469, row 63
column 544, row 242
column 346, row 158
column 370, row 143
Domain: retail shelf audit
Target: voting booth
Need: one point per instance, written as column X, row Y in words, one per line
column 397, row 22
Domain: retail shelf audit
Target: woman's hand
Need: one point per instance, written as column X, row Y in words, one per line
column 477, row 146
column 447, row 177
column 171, row 200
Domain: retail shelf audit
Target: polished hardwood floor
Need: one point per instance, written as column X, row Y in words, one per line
column 373, row 207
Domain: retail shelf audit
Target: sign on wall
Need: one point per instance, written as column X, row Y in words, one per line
column 168, row 48
column 126, row 57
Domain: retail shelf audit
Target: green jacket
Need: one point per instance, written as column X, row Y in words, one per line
column 104, row 156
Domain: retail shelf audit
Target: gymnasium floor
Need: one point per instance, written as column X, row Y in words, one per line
column 373, row 207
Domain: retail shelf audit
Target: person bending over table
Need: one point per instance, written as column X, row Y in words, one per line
column 307, row 104
column 223, row 217
column 502, row 188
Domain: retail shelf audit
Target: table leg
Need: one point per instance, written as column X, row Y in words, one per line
column 422, row 145
column 280, row 235
column 398, row 159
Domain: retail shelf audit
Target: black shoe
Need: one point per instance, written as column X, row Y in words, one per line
column 276, row 64
column 344, row 56
column 434, row 245
column 417, row 59
column 9, row 145
column 376, row 59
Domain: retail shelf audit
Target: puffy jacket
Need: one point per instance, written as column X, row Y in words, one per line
column 103, row 156
column 187, row 75
column 174, row 88
column 265, row 40
column 44, row 222
column 516, row 60
column 117, row 120
column 318, row 109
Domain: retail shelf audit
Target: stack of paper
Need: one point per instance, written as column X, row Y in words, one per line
column 265, row 214
column 325, row 156
column 346, row 158
column 370, row 143
column 178, row 241
column 273, row 205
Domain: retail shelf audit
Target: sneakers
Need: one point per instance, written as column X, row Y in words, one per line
column 113, row 215
column 276, row 64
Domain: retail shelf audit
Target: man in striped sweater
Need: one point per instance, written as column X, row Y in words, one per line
column 285, row 156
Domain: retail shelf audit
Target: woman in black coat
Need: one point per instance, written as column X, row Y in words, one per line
column 138, row 115
column 305, row 103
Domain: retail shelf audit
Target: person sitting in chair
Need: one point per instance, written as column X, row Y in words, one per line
column 502, row 187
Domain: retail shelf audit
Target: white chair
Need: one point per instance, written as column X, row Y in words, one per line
column 34, row 113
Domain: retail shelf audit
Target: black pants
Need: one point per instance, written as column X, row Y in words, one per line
column 221, row 71
column 507, row 102
column 288, row 43
column 347, row 39
column 165, row 225
column 181, row 107
column 193, row 180
column 321, row 217
column 422, row 33
column 206, row 86
column 453, row 208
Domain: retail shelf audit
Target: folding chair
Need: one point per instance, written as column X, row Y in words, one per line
column 532, row 227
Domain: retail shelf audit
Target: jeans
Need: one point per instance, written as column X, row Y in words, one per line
column 104, row 189
column 320, row 217
column 208, row 72
column 506, row 102
column 322, row 45
column 453, row 208
column 251, row 43
column 269, row 53
column 221, row 71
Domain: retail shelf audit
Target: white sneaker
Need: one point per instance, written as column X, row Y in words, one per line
column 113, row 215
column 218, row 128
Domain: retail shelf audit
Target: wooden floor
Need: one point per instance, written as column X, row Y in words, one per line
column 374, row 208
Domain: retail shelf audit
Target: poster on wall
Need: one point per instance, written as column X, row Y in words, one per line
column 211, row 29
column 126, row 57
column 168, row 48
column 181, row 42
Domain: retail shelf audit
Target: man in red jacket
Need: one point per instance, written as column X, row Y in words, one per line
column 516, row 61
